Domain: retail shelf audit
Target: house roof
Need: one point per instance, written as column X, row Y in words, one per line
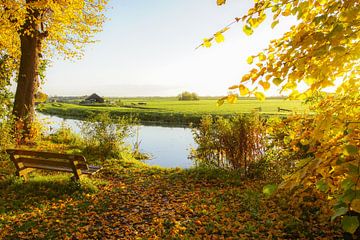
column 94, row 96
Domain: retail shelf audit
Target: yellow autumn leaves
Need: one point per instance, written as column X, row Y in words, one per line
column 69, row 27
column 253, row 22
column 253, row 75
column 220, row 2
column 218, row 36
column 317, row 48
column 244, row 91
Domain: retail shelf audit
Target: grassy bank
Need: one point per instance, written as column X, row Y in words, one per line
column 129, row 200
column 172, row 111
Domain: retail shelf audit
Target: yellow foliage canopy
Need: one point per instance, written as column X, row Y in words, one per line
column 321, row 50
column 323, row 47
column 66, row 25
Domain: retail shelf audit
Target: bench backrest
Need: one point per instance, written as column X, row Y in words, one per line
column 36, row 159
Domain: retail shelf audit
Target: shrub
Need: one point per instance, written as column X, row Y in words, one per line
column 280, row 152
column 188, row 96
column 104, row 137
column 7, row 138
column 119, row 103
column 64, row 135
column 6, row 141
column 229, row 143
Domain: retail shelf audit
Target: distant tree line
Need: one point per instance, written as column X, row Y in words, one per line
column 188, row 96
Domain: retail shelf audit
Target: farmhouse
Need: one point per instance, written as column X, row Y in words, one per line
column 94, row 98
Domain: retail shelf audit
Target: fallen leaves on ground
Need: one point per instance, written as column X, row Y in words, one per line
column 153, row 203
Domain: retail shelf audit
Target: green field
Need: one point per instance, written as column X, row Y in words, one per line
column 172, row 111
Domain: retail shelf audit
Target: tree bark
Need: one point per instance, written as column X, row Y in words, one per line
column 28, row 77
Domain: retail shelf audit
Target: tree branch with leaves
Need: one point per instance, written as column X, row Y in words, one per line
column 35, row 30
column 321, row 50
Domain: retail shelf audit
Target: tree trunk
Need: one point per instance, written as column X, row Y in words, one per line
column 27, row 79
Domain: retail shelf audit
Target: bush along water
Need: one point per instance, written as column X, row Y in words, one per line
column 237, row 143
column 104, row 137
column 64, row 135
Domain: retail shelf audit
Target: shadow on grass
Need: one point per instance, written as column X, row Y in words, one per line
column 16, row 195
column 133, row 170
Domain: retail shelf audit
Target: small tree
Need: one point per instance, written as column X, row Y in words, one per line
column 104, row 137
column 188, row 96
column 234, row 143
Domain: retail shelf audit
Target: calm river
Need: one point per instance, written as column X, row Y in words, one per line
column 168, row 146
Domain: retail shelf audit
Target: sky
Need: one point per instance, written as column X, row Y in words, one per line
column 147, row 48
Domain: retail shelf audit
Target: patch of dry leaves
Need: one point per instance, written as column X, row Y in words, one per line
column 159, row 204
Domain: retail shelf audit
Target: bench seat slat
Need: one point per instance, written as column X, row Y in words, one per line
column 36, row 161
column 91, row 170
column 50, row 162
column 47, row 167
column 61, row 169
column 46, row 154
column 25, row 160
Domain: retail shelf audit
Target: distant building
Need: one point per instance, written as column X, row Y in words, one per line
column 94, row 98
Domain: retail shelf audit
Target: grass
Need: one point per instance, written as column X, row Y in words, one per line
column 20, row 197
column 170, row 110
column 130, row 200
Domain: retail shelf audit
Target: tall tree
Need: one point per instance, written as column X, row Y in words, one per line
column 37, row 30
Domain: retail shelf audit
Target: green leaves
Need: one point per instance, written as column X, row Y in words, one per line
column 350, row 224
column 255, row 22
column 277, row 81
column 350, row 150
column 248, row 30
column 269, row 189
column 339, row 212
column 322, row 186
column 273, row 24
column 260, row 96
column 355, row 205
column 338, row 49
column 347, row 184
column 221, row 101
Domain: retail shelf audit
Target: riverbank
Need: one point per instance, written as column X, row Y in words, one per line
column 167, row 146
column 129, row 200
column 163, row 111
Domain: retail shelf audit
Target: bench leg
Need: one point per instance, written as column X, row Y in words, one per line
column 75, row 179
column 26, row 177
column 76, row 171
column 24, row 174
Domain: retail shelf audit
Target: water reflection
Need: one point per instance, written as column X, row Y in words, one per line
column 169, row 146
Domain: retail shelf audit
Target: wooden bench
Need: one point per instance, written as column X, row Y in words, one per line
column 26, row 161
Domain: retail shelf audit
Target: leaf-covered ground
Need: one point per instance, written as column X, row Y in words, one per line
column 131, row 201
